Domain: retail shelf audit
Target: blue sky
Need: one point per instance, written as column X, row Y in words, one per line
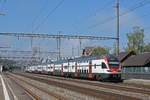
column 73, row 17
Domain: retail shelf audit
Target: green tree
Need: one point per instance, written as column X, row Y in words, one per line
column 135, row 40
column 147, row 48
column 99, row 50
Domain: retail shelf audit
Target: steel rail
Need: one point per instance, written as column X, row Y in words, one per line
column 26, row 90
column 120, row 88
column 40, row 89
column 87, row 91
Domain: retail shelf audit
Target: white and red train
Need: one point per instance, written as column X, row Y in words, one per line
column 98, row 67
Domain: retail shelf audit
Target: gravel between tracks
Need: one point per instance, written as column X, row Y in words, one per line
column 116, row 93
column 70, row 95
column 41, row 95
column 131, row 94
column 141, row 93
column 122, row 85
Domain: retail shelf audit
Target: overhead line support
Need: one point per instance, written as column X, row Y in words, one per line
column 15, row 51
column 57, row 36
column 117, row 28
column 19, row 57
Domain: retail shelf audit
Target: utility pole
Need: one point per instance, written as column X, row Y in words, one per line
column 80, row 44
column 117, row 27
column 31, row 42
column 58, row 45
column 72, row 51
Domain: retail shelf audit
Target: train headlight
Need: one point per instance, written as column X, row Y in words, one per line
column 108, row 71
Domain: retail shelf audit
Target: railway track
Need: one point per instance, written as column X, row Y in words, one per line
column 88, row 91
column 25, row 89
column 110, row 86
column 20, row 82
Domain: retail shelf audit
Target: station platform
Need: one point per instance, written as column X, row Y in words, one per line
column 1, row 90
column 10, row 91
column 139, row 82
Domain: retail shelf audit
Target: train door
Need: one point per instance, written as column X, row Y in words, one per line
column 47, row 69
column 42, row 69
column 54, row 70
column 51, row 69
column 62, row 70
column 90, row 69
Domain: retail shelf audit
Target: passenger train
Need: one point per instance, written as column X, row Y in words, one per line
column 100, row 68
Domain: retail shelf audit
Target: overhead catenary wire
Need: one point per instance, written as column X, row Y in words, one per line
column 97, row 10
column 57, row 36
column 145, row 15
column 39, row 14
column 141, row 4
column 93, row 14
column 50, row 13
column 34, row 20
column 104, row 7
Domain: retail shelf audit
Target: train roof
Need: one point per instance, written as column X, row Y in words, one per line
column 81, row 59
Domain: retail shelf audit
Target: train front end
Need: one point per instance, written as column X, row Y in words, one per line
column 113, row 71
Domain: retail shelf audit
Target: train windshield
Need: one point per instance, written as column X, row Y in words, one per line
column 113, row 62
column 114, row 65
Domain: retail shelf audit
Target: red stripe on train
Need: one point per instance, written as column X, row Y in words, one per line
column 111, row 69
column 76, row 70
column 62, row 73
column 90, row 69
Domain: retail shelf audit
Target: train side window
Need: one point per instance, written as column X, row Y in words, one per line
column 72, row 67
column 104, row 66
column 95, row 66
column 65, row 67
column 84, row 71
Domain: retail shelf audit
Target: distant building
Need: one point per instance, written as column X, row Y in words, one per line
column 135, row 66
column 87, row 51
column 125, row 55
